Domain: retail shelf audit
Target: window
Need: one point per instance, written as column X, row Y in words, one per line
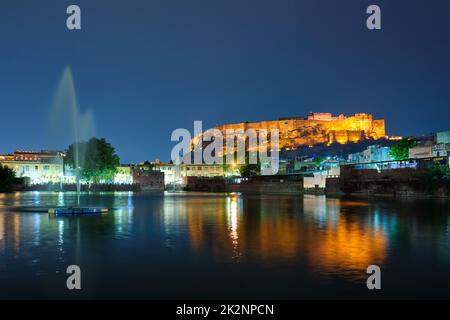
column 46, row 168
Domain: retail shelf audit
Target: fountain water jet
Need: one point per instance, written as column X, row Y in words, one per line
column 76, row 126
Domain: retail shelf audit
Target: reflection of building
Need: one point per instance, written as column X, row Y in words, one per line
column 349, row 246
column 41, row 167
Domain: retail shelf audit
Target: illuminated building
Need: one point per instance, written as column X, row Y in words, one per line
column 421, row 151
column 147, row 177
column 316, row 128
column 124, row 175
column 442, row 146
column 177, row 174
column 443, row 137
column 40, row 167
column 373, row 153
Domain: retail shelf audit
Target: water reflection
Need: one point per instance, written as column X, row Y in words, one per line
column 37, row 229
column 233, row 209
column 311, row 237
column 347, row 241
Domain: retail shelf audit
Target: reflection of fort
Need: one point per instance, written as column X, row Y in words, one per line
column 346, row 241
column 323, row 232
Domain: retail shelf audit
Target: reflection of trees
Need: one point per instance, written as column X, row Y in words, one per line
column 415, row 219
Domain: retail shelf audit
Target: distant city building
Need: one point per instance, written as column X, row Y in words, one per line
column 324, row 116
column 147, row 177
column 301, row 165
column 309, row 166
column 442, row 146
column 177, row 174
column 421, row 151
column 124, row 174
column 317, row 181
column 443, row 137
column 374, row 153
column 41, row 167
column 441, row 150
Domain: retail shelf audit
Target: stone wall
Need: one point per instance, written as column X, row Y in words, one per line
column 406, row 182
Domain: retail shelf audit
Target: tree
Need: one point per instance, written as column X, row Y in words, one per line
column 99, row 160
column 318, row 161
column 7, row 177
column 435, row 177
column 248, row 169
column 400, row 150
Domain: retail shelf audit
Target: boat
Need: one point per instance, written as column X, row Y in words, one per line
column 77, row 211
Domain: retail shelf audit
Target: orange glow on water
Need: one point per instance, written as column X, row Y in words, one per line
column 348, row 247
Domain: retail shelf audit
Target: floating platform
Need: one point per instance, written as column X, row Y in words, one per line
column 77, row 211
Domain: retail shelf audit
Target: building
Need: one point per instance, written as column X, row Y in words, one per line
column 177, row 174
column 317, row 181
column 41, row 167
column 172, row 173
column 124, row 174
column 442, row 146
column 443, row 137
column 441, row 150
column 374, row 153
column 300, row 165
column 309, row 167
column 147, row 177
column 421, row 151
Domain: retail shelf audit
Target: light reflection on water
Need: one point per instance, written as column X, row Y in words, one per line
column 282, row 246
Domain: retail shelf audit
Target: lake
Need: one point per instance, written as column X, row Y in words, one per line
column 215, row 245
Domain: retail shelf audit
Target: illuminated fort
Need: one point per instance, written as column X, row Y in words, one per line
column 317, row 128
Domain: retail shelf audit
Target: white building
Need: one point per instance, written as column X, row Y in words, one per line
column 373, row 153
column 40, row 167
column 177, row 174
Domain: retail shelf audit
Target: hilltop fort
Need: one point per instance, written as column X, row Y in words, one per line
column 318, row 128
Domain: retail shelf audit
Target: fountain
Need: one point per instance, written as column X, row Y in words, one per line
column 71, row 125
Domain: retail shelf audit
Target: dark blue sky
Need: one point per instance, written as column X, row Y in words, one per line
column 148, row 67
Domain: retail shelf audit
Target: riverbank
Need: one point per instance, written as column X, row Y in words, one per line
column 368, row 183
column 398, row 183
column 84, row 188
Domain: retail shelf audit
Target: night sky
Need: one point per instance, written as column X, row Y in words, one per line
column 148, row 67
